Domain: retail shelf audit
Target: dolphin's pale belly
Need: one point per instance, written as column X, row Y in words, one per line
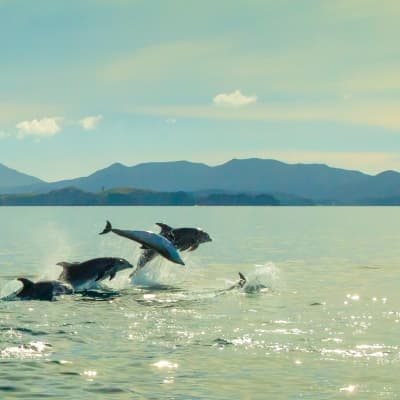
column 153, row 241
column 88, row 284
column 146, row 238
column 81, row 286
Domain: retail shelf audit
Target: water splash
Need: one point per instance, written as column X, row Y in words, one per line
column 10, row 290
column 160, row 272
column 58, row 248
column 263, row 278
column 30, row 350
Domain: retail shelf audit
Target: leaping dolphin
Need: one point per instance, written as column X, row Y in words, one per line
column 149, row 241
column 42, row 290
column 182, row 239
column 86, row 275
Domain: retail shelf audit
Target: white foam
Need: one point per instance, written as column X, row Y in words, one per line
column 10, row 289
column 159, row 272
column 263, row 277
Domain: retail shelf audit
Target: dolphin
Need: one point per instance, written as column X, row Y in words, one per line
column 248, row 285
column 239, row 284
column 86, row 275
column 182, row 239
column 42, row 290
column 149, row 240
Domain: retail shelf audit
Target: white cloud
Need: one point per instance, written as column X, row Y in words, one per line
column 170, row 121
column 44, row 127
column 4, row 135
column 90, row 123
column 234, row 99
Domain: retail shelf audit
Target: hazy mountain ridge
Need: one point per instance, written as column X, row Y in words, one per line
column 317, row 182
column 11, row 178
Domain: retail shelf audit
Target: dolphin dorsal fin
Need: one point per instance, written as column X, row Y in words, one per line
column 26, row 282
column 242, row 280
column 66, row 264
column 164, row 228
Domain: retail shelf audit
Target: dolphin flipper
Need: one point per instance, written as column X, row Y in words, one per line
column 112, row 275
column 100, row 276
column 194, row 247
column 107, row 229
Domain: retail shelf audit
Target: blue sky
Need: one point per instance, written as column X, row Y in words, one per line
column 87, row 83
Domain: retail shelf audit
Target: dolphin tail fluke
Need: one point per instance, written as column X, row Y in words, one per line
column 242, row 280
column 107, row 229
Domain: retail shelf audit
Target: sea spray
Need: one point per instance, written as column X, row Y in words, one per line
column 268, row 274
column 160, row 272
column 57, row 248
column 10, row 289
column 262, row 278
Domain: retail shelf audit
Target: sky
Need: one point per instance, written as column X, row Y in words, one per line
column 86, row 83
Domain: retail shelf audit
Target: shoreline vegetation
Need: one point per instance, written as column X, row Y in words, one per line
column 133, row 197
column 72, row 196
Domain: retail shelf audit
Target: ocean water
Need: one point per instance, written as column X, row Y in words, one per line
column 319, row 318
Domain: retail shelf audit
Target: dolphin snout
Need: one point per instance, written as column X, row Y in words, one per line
column 124, row 264
column 128, row 265
column 206, row 239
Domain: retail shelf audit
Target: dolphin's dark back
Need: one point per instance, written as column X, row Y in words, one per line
column 189, row 238
column 42, row 290
column 87, row 270
column 27, row 288
column 185, row 238
column 95, row 269
column 181, row 238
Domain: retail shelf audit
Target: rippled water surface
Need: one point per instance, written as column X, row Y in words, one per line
column 325, row 324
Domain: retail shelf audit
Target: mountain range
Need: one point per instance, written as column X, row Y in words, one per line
column 10, row 178
column 318, row 182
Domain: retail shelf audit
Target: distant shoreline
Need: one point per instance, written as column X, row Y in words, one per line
column 199, row 205
column 128, row 197
column 133, row 197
